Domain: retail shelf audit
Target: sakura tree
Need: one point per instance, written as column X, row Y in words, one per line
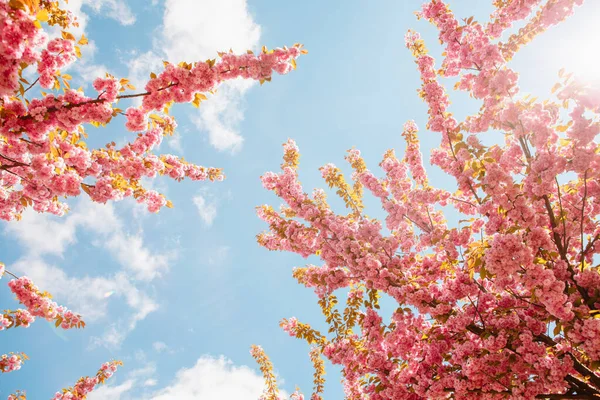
column 504, row 304
column 44, row 159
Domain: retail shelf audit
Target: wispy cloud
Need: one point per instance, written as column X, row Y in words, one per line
column 141, row 65
column 219, row 255
column 206, row 206
column 34, row 231
column 221, row 116
column 131, row 253
column 174, row 142
column 86, row 69
column 41, row 235
column 159, row 346
column 106, row 392
column 114, row 9
column 150, row 382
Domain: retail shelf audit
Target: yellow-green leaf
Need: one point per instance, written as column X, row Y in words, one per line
column 42, row 15
column 68, row 35
column 156, row 118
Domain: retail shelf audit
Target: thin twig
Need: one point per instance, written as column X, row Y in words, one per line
column 30, row 86
column 11, row 274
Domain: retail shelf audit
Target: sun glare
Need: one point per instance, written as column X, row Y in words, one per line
column 580, row 53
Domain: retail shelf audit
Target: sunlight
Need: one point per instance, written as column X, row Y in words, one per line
column 582, row 59
column 583, row 64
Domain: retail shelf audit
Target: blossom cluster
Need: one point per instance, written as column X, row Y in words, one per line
column 40, row 305
column 58, row 54
column 183, row 83
column 12, row 362
column 43, row 153
column 19, row 40
column 85, row 385
column 52, row 160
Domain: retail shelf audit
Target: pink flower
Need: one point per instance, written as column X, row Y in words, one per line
column 289, row 326
column 136, row 119
column 39, row 305
column 9, row 363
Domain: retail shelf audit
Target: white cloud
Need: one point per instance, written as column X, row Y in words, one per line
column 195, row 30
column 88, row 71
column 41, row 235
column 106, row 392
column 85, row 68
column 117, row 331
column 221, row 115
column 112, row 337
column 213, row 378
column 150, row 382
column 159, row 346
column 35, row 230
column 174, row 142
column 117, row 10
column 218, row 256
column 207, row 209
column 141, row 65
column 95, row 217
column 145, row 372
column 127, row 248
column 131, row 252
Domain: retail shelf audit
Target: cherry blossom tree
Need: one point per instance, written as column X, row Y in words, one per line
column 503, row 304
column 44, row 158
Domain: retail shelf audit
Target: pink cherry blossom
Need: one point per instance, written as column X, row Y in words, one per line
column 12, row 362
column 43, row 154
column 86, row 385
column 39, row 305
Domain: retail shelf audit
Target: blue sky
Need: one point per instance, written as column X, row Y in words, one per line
column 180, row 296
